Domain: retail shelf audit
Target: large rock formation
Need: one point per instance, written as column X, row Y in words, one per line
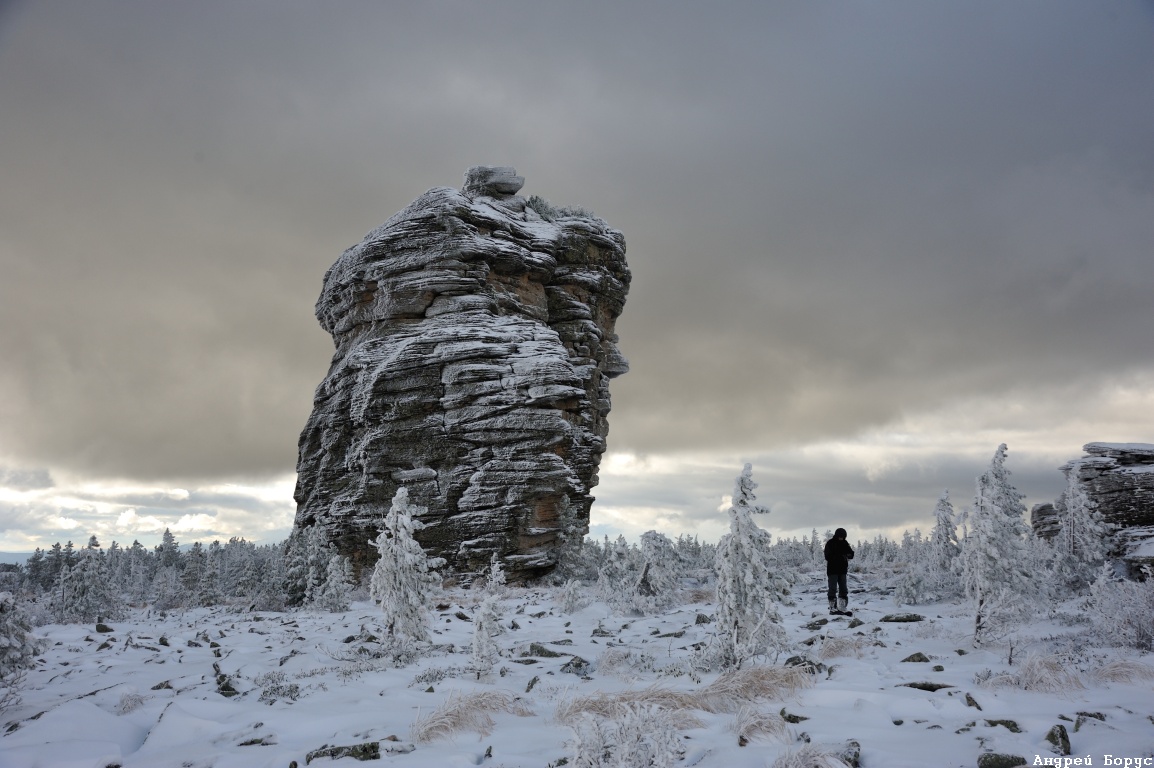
column 1119, row 479
column 475, row 341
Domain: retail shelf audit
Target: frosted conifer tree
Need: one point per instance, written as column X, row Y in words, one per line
column 994, row 563
column 750, row 585
column 656, row 586
column 403, row 582
column 85, row 592
column 495, row 579
column 337, row 591
column 486, row 626
column 18, row 649
column 619, row 568
column 1083, row 538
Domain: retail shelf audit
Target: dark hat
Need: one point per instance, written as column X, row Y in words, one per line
column 840, row 533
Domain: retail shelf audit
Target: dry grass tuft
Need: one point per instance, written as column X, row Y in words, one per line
column 1122, row 671
column 610, row 705
column 750, row 724
column 808, row 756
column 738, row 687
column 466, row 712
column 833, row 647
column 1049, row 674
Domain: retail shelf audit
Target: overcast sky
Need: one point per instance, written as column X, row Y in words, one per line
column 869, row 241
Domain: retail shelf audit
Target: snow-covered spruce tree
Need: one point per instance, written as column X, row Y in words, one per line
column 1083, row 539
column 486, row 626
column 403, row 581
column 306, row 562
column 337, row 591
column 18, row 649
column 495, row 577
column 85, row 594
column 656, row 587
column 750, row 585
column 995, row 563
column 930, row 576
column 618, row 568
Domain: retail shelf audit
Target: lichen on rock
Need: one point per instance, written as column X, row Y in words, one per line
column 474, row 343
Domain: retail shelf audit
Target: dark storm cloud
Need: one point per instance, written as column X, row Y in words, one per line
column 837, row 215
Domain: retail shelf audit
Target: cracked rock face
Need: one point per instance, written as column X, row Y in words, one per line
column 475, row 341
column 1119, row 479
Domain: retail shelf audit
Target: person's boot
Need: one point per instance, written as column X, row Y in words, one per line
column 842, row 602
column 832, row 606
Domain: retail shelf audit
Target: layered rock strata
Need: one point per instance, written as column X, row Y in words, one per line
column 1119, row 479
column 475, row 341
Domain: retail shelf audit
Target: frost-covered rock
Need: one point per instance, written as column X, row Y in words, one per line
column 475, row 341
column 1118, row 480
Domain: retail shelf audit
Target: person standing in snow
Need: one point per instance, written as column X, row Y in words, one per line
column 838, row 553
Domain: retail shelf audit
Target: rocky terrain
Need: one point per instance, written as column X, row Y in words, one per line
column 475, row 341
column 1119, row 479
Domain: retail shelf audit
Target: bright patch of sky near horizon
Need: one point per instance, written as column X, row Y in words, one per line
column 869, row 242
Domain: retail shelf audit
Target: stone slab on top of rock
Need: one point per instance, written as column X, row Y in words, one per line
column 475, row 341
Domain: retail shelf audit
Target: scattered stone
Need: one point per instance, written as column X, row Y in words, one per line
column 678, row 633
column 536, row 649
column 939, row 668
column 925, row 686
column 854, row 623
column 462, row 616
column 791, row 718
column 370, row 750
column 1009, row 725
column 809, row 665
column 997, row 760
column 1084, row 716
column 702, row 619
column 916, row 657
column 972, row 702
column 162, row 686
column 104, row 628
column 1059, row 739
column 536, row 679
column 816, row 624
column 902, row 617
column 850, row 754
column 576, row 666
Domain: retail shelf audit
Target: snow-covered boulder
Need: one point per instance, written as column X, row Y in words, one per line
column 475, row 341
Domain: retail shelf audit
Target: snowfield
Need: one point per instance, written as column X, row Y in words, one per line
column 213, row 687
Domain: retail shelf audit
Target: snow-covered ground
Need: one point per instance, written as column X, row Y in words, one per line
column 149, row 692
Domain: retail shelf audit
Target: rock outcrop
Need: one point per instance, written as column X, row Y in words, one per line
column 1119, row 479
column 475, row 342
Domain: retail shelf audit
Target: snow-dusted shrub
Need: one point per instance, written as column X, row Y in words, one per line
column 274, row 687
column 750, row 584
column 929, row 575
column 130, row 701
column 403, row 581
column 1122, row 611
column 466, row 712
column 994, row 563
column 637, row 736
column 18, row 649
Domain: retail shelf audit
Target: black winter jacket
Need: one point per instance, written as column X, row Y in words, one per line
column 838, row 553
